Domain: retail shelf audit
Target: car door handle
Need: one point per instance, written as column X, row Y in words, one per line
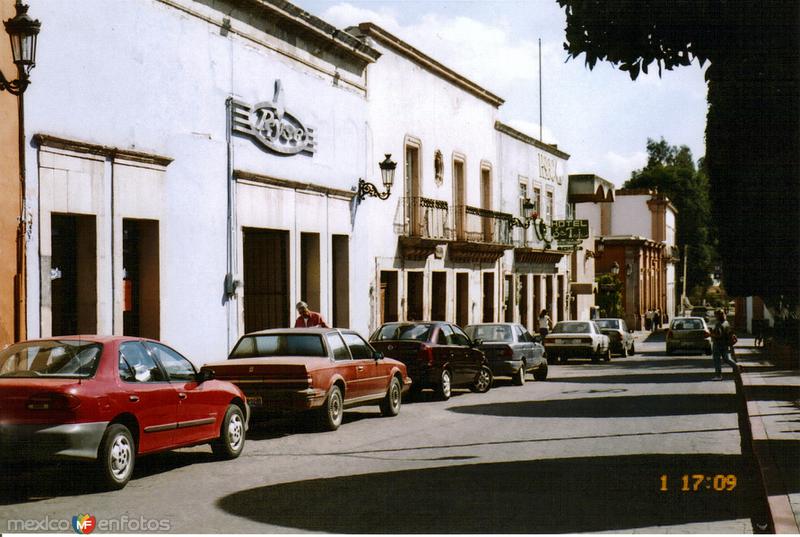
column 360, row 368
column 181, row 395
column 133, row 398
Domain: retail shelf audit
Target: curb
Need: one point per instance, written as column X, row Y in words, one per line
column 779, row 508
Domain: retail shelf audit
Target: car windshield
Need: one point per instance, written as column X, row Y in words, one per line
column 490, row 332
column 268, row 345
column 572, row 327
column 65, row 358
column 687, row 324
column 395, row 331
column 612, row 324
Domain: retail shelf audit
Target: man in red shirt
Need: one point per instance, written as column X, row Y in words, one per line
column 308, row 318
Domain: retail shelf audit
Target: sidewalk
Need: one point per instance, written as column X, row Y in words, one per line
column 772, row 402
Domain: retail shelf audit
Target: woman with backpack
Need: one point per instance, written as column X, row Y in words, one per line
column 722, row 341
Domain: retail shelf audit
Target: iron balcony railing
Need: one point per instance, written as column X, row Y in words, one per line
column 473, row 224
column 426, row 218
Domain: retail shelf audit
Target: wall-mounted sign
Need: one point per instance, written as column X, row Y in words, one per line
column 570, row 230
column 548, row 169
column 270, row 125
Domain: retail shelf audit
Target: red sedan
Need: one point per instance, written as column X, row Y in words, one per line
column 111, row 399
column 320, row 369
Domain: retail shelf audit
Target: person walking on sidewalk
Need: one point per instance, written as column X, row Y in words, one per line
column 722, row 339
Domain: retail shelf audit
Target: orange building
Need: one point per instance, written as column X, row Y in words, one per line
column 12, row 326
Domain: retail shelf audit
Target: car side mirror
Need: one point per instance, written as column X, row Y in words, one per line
column 537, row 338
column 377, row 355
column 206, row 374
column 476, row 343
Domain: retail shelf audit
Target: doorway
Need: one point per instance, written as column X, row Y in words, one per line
column 523, row 301
column 508, row 301
column 488, row 297
column 73, row 274
column 266, row 279
column 340, row 254
column 414, row 296
column 462, row 299
column 310, row 270
column 140, row 278
column 439, row 296
column 388, row 296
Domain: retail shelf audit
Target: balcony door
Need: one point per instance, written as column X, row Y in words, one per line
column 460, row 198
column 413, row 189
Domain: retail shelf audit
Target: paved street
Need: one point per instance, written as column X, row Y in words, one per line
column 583, row 451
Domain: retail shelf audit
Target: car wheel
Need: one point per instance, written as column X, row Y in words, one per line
column 633, row 349
column 443, row 389
column 332, row 411
column 708, row 351
column 607, row 355
column 541, row 373
column 483, row 382
column 551, row 359
column 519, row 378
column 116, row 456
column 624, row 352
column 390, row 406
column 230, row 443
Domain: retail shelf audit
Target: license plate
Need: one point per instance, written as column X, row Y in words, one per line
column 255, row 401
column 565, row 341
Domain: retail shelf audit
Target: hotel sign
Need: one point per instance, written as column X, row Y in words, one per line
column 272, row 126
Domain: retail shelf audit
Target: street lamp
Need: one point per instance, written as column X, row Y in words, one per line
column 22, row 30
column 527, row 212
column 387, row 167
column 615, row 269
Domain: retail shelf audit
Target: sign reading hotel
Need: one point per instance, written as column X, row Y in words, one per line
column 570, row 231
column 272, row 126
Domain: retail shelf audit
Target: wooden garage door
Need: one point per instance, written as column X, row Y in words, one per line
column 266, row 279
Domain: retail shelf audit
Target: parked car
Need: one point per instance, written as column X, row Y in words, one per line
column 510, row 350
column 570, row 339
column 322, row 370
column 110, row 400
column 688, row 334
column 621, row 338
column 438, row 355
column 704, row 312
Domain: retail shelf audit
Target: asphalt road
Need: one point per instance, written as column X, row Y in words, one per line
column 583, row 451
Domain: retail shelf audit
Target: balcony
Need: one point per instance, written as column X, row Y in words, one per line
column 531, row 248
column 481, row 235
column 425, row 225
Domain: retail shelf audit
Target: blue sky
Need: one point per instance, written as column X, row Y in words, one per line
column 600, row 117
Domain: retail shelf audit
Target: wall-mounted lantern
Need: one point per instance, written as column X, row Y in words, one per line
column 599, row 248
column 22, row 30
column 528, row 216
column 387, row 167
column 615, row 269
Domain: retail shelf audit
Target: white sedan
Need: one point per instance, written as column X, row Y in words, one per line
column 573, row 339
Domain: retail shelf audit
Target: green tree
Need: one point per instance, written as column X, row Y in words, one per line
column 753, row 128
column 609, row 296
column 671, row 170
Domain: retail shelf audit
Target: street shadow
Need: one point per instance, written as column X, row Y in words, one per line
column 659, row 336
column 785, row 455
column 268, row 428
column 565, row 495
column 41, row 481
column 657, row 360
column 633, row 378
column 638, row 406
column 772, row 393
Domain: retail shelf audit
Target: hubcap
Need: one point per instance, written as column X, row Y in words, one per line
column 446, row 383
column 235, row 432
column 120, row 457
column 483, row 379
column 395, row 395
column 335, row 407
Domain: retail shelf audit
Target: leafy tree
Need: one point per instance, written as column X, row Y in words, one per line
column 671, row 171
column 609, row 296
column 753, row 130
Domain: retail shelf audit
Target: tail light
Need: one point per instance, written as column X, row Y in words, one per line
column 706, row 333
column 586, row 340
column 507, row 352
column 669, row 334
column 426, row 354
column 53, row 401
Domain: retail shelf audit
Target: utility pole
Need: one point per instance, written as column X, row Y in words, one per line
column 540, row 90
column 683, row 292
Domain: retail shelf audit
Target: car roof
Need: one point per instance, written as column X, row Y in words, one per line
column 96, row 338
column 491, row 324
column 607, row 319
column 315, row 330
column 688, row 317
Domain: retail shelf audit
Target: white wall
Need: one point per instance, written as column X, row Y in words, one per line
column 630, row 215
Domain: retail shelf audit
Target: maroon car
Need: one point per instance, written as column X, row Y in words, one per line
column 438, row 355
column 110, row 399
column 323, row 370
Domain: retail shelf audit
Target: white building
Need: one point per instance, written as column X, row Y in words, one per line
column 192, row 173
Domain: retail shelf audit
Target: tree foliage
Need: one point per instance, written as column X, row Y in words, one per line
column 671, row 170
column 753, row 131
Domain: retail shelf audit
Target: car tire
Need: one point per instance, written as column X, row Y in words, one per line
column 332, row 411
column 444, row 387
column 519, row 378
column 116, row 457
column 390, row 405
column 607, row 355
column 230, row 443
column 633, row 349
column 551, row 359
column 541, row 373
column 624, row 352
column 483, row 380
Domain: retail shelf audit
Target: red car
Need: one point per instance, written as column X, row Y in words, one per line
column 111, row 399
column 323, row 370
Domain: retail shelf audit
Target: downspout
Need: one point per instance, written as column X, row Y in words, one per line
column 230, row 265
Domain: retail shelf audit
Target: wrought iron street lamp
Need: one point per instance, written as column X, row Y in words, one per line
column 387, row 167
column 527, row 212
column 615, row 269
column 22, row 30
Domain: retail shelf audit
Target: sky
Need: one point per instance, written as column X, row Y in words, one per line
column 600, row 117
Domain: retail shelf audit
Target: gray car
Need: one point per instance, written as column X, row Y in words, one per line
column 688, row 334
column 510, row 350
column 618, row 334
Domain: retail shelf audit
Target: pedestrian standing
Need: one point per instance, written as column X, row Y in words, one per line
column 722, row 340
column 545, row 324
column 657, row 319
column 648, row 320
column 307, row 318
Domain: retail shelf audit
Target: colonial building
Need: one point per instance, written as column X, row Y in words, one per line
column 638, row 232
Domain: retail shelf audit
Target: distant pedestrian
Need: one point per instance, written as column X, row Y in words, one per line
column 308, row 318
column 657, row 319
column 648, row 320
column 722, row 340
column 545, row 324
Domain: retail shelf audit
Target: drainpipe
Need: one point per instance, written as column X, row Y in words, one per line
column 230, row 260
